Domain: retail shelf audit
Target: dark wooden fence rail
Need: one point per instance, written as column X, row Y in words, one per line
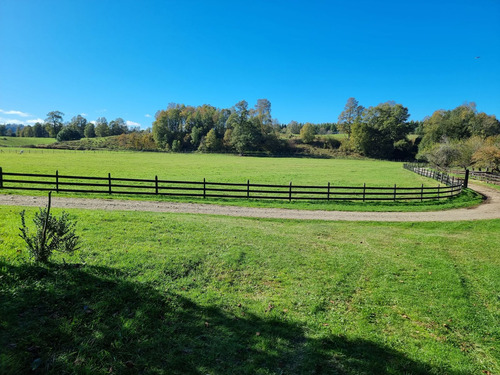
column 442, row 177
column 205, row 189
column 490, row 177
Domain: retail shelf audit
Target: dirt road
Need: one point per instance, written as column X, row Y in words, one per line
column 489, row 209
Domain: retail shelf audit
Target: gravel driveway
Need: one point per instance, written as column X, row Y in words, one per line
column 489, row 209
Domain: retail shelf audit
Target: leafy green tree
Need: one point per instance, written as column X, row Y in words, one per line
column 371, row 141
column 484, row 125
column 221, row 120
column 212, row 143
column 101, row 127
column 27, row 131
column 488, row 155
column 457, row 124
column 245, row 134
column 117, row 127
column 350, row 115
column 54, row 123
column 89, row 131
column 39, row 131
column 170, row 124
column 442, row 155
column 79, row 123
column 176, row 146
column 406, row 149
column 196, row 135
column 226, row 141
column 379, row 129
column 466, row 148
column 68, row 133
column 263, row 112
column 307, row 133
column 293, row 127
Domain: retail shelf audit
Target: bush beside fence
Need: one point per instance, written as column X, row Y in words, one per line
column 206, row 189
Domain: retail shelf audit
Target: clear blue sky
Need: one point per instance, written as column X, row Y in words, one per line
column 131, row 58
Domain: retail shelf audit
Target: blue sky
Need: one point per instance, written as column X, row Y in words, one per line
column 130, row 59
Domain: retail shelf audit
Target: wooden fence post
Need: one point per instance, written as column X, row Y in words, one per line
column 156, row 185
column 439, row 186
column 1, row 178
column 422, row 193
column 204, row 188
column 465, row 184
column 290, row 193
column 364, row 191
column 109, row 183
column 57, row 181
column 248, row 189
column 327, row 192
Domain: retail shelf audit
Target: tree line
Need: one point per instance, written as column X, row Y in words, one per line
column 206, row 128
column 78, row 127
column 459, row 137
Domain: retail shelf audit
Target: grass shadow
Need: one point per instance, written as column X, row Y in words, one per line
column 71, row 319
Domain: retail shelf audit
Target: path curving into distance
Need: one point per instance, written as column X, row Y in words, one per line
column 489, row 209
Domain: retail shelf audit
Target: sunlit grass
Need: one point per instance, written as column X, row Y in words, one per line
column 170, row 293
column 24, row 141
column 231, row 168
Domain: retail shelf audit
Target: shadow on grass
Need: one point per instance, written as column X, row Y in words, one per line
column 64, row 319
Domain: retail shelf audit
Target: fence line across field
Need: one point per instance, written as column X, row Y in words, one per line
column 207, row 189
column 485, row 176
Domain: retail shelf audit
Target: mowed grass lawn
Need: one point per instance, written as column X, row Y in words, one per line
column 153, row 293
column 232, row 168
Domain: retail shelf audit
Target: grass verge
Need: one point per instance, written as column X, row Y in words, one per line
column 183, row 294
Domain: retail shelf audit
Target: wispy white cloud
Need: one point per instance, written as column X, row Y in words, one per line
column 83, row 114
column 16, row 113
column 4, row 120
column 132, row 123
column 34, row 121
column 147, row 115
column 93, row 122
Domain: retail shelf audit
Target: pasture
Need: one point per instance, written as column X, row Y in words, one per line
column 24, row 141
column 231, row 168
column 185, row 294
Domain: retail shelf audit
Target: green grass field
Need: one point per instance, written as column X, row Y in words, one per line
column 24, row 141
column 213, row 167
column 186, row 294
column 231, row 168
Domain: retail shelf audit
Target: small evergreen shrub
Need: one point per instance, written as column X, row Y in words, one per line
column 50, row 234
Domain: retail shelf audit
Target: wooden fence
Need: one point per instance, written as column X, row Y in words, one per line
column 489, row 177
column 442, row 177
column 492, row 178
column 205, row 189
